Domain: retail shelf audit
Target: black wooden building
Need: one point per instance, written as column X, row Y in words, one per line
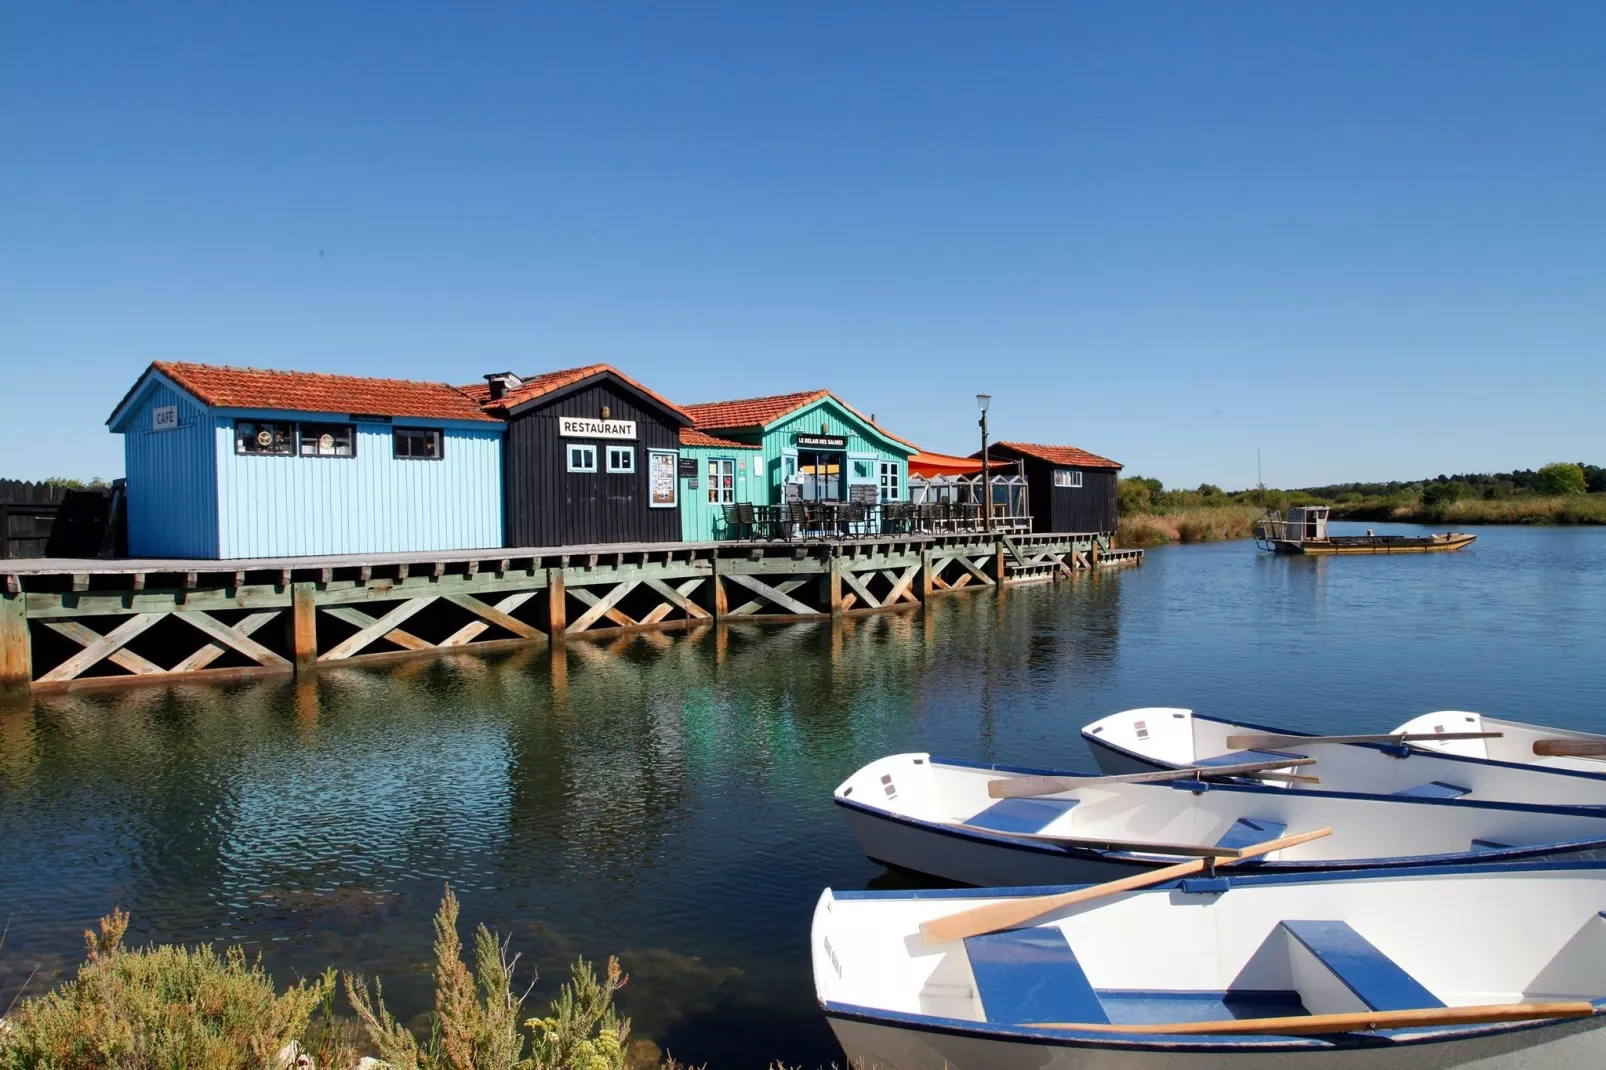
column 1070, row 490
column 590, row 456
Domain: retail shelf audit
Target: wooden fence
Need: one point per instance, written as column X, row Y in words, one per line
column 46, row 520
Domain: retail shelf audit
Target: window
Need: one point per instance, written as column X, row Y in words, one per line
column 582, row 458
column 415, row 444
column 1066, row 477
column 862, row 471
column 889, row 481
column 621, row 458
column 255, row 436
column 721, row 482
column 328, row 440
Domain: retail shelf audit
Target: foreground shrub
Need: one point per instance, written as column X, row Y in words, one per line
column 1561, row 478
column 160, row 1008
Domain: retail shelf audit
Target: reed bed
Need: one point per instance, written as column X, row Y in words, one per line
column 1558, row 509
column 1205, row 523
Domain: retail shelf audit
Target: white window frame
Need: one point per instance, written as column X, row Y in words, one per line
column 1068, row 477
column 626, row 451
column 717, row 466
column 890, row 478
column 575, row 447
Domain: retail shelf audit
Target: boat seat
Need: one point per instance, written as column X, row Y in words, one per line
column 1248, row 831
column 1031, row 975
column 1021, row 815
column 1435, row 789
column 1364, row 973
column 1244, row 757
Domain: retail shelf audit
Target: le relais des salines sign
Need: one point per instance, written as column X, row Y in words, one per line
column 583, row 427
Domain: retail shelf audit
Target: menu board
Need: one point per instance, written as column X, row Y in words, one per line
column 662, row 484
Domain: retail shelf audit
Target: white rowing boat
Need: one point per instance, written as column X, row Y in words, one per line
column 1166, row 738
column 945, row 817
column 1499, row 967
column 1517, row 743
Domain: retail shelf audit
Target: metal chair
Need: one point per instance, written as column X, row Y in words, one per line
column 747, row 518
column 733, row 522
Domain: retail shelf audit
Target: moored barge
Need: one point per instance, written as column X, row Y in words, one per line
column 1305, row 532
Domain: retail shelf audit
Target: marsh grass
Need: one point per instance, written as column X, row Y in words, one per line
column 1204, row 523
column 165, row 1007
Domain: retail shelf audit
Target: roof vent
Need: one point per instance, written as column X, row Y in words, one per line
column 501, row 383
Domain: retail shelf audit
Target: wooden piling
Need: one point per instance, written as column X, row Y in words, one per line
column 557, row 603
column 16, row 660
column 304, row 627
column 834, row 594
column 926, row 586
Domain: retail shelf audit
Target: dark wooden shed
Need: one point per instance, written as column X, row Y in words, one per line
column 590, row 456
column 1071, row 489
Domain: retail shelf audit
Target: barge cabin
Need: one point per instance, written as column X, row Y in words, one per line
column 813, row 447
column 1071, row 490
column 226, row 462
column 591, row 456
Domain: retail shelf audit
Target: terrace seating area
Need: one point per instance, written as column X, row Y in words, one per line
column 826, row 520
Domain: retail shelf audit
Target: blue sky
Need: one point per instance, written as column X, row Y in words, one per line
column 1366, row 238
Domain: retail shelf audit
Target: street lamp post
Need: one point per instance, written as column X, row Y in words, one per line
column 982, row 401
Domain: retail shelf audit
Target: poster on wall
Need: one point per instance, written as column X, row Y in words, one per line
column 661, row 478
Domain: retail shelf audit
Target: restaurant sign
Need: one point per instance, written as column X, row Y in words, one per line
column 822, row 442
column 581, row 427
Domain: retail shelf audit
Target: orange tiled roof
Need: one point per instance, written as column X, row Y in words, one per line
column 755, row 413
column 1069, row 456
column 224, row 387
column 536, row 386
column 690, row 436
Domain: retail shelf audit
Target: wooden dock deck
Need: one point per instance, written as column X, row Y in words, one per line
column 71, row 623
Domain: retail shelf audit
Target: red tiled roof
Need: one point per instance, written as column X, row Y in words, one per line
column 1069, row 456
column 536, row 386
column 690, row 436
column 750, row 414
column 259, row 388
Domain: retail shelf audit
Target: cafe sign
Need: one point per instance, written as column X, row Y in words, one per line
column 582, row 427
column 822, row 442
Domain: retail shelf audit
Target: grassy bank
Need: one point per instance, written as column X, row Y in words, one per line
column 1203, row 523
column 177, row 1008
column 1525, row 509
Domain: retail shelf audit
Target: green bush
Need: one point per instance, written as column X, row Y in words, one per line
column 1560, row 478
column 1440, row 495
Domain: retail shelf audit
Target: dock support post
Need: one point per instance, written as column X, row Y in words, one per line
column 557, row 608
column 835, row 581
column 925, row 576
column 16, row 657
column 1093, row 556
column 998, row 564
column 304, row 627
column 721, row 605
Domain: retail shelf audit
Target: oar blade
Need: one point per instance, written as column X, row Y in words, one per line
column 1345, row 1022
column 1021, row 787
column 1570, row 748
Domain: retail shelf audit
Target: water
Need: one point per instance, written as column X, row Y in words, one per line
column 666, row 797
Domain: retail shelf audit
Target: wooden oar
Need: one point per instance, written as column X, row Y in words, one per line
column 1020, row 787
column 1309, row 1024
column 1570, row 748
column 1137, row 846
column 1272, row 742
column 1010, row 913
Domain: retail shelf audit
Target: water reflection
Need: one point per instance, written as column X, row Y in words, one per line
column 666, row 796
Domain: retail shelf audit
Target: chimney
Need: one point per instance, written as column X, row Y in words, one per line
column 501, row 383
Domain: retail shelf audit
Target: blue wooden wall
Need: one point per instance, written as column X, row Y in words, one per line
column 171, row 477
column 370, row 503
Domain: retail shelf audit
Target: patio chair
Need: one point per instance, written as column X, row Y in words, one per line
column 733, row 521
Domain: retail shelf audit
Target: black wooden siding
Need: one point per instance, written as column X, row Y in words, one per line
column 547, row 505
column 1088, row 508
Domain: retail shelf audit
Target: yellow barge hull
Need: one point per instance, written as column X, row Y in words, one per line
column 1378, row 544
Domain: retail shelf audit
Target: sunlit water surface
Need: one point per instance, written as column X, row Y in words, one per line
column 667, row 797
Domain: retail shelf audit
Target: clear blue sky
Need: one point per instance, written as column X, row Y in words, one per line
column 1368, row 238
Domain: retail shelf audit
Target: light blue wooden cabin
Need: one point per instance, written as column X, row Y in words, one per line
column 810, row 445
column 244, row 463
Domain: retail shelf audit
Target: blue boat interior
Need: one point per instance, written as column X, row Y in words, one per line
column 1435, row 789
column 1021, row 815
column 1032, row 975
column 1246, row 832
column 1371, row 976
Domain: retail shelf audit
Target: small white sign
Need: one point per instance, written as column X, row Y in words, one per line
column 164, row 418
column 580, row 427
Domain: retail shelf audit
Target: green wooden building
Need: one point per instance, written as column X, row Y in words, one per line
column 808, row 446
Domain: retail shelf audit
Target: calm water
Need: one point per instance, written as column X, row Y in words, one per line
column 667, row 797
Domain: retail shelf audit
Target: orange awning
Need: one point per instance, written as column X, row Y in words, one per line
column 942, row 464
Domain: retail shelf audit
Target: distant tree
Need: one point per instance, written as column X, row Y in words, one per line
column 1594, row 478
column 95, row 483
column 1561, row 478
column 1437, row 495
column 1209, row 490
column 1136, row 495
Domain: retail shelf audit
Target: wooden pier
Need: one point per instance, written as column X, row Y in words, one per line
column 67, row 624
